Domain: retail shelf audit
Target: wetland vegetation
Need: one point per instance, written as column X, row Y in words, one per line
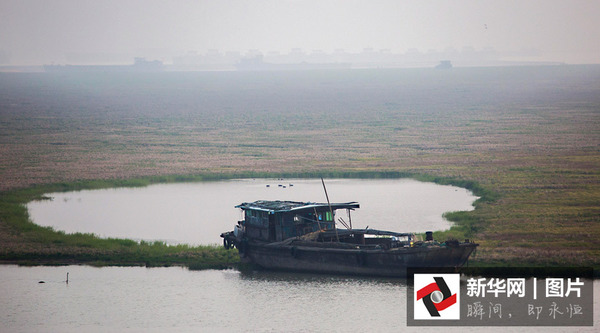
column 523, row 139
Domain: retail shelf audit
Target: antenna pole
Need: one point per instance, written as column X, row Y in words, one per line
column 317, row 218
column 349, row 218
column 330, row 210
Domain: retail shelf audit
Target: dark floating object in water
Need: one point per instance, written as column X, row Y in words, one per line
column 302, row 236
column 41, row 282
column 268, row 185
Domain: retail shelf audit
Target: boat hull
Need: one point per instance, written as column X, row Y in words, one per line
column 374, row 262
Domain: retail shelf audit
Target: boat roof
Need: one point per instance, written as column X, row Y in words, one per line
column 293, row 206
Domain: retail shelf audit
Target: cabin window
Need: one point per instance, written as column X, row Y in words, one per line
column 328, row 217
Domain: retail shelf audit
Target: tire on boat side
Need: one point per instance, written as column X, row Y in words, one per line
column 226, row 243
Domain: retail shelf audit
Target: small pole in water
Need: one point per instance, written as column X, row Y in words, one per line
column 67, row 278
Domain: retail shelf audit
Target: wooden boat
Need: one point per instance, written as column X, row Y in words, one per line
column 302, row 236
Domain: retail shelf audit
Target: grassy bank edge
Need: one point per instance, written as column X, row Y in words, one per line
column 51, row 247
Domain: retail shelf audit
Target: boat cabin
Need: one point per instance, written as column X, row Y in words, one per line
column 278, row 220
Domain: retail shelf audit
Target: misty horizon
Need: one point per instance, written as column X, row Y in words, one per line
column 36, row 32
column 466, row 56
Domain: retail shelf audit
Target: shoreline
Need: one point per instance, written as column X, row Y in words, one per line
column 43, row 246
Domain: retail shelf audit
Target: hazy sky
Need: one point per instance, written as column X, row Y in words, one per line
column 45, row 31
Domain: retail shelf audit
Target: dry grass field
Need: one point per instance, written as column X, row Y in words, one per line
column 530, row 138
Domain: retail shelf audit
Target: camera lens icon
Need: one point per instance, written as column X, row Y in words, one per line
column 437, row 296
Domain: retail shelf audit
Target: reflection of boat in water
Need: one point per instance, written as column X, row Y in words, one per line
column 139, row 65
column 301, row 236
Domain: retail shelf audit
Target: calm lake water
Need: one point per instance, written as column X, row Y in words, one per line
column 197, row 213
column 177, row 299
column 140, row 299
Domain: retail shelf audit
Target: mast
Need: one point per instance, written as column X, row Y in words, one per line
column 330, row 210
